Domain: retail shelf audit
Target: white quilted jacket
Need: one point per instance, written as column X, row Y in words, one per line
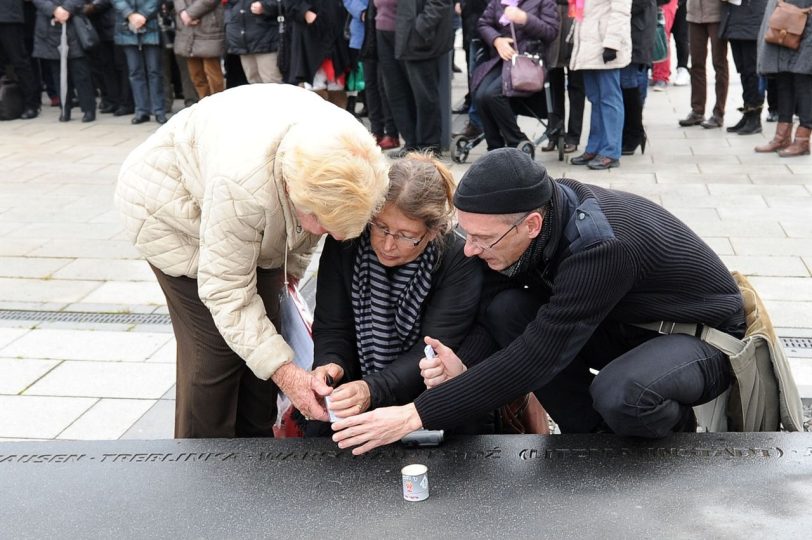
column 204, row 197
column 606, row 24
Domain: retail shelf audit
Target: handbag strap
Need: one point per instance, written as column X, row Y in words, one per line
column 515, row 41
column 726, row 343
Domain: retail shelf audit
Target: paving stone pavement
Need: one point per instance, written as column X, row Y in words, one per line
column 62, row 250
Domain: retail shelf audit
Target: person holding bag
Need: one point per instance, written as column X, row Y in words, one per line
column 529, row 20
column 792, row 69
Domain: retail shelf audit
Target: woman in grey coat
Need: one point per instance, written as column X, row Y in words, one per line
column 200, row 38
column 793, row 73
column 51, row 15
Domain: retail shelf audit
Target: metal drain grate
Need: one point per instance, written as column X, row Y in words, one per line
column 84, row 317
column 797, row 346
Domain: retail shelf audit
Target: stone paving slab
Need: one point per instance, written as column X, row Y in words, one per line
column 86, row 345
column 107, row 419
column 17, row 374
column 39, row 417
column 105, row 380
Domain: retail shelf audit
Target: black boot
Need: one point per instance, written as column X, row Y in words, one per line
column 740, row 124
column 752, row 121
column 634, row 134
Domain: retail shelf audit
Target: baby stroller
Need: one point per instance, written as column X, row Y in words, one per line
column 535, row 106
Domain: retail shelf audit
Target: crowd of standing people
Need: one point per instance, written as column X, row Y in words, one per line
column 146, row 53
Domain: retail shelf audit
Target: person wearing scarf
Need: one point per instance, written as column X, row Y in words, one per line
column 377, row 296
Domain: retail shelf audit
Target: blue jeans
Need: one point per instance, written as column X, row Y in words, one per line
column 146, row 79
column 602, row 88
column 646, row 384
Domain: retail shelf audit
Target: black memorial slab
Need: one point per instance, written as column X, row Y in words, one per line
column 566, row 486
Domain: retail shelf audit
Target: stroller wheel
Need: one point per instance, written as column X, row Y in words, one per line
column 460, row 147
column 528, row 148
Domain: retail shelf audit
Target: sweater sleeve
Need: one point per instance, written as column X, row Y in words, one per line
column 587, row 286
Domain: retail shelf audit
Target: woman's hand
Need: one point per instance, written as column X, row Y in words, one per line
column 310, row 17
column 350, row 399
column 329, row 373
column 257, row 8
column 304, row 389
column 376, row 428
column 504, row 48
column 137, row 20
column 61, row 15
column 446, row 365
column 516, row 15
column 187, row 19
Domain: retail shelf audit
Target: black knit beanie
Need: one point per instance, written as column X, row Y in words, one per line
column 503, row 181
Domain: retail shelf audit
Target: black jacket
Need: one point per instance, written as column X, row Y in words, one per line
column 11, row 11
column 743, row 21
column 644, row 27
column 247, row 33
column 311, row 44
column 423, row 29
column 610, row 256
column 47, row 36
column 447, row 314
column 103, row 18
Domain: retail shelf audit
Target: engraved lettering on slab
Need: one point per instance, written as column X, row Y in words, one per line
column 697, row 452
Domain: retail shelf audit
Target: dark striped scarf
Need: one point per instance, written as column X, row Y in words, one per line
column 386, row 304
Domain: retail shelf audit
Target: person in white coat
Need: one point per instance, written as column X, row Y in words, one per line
column 601, row 47
column 226, row 202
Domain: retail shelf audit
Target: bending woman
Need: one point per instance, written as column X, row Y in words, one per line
column 406, row 277
column 225, row 201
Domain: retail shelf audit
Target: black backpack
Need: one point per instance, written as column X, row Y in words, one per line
column 11, row 99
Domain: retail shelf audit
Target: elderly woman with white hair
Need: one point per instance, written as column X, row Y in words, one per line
column 226, row 201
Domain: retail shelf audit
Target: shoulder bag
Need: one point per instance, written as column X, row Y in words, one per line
column 526, row 73
column 786, row 25
column 85, row 33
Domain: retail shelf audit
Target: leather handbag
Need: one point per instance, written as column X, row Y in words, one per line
column 85, row 33
column 523, row 415
column 525, row 73
column 786, row 25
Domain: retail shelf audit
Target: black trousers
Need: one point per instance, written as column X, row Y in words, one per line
column 105, row 76
column 412, row 87
column 79, row 77
column 680, row 32
column 573, row 82
column 744, row 56
column 12, row 45
column 794, row 91
column 494, row 108
column 217, row 395
column 380, row 115
column 646, row 384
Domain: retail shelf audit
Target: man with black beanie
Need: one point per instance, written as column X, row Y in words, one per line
column 576, row 269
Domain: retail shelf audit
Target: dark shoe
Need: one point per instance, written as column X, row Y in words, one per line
column 470, row 131
column 772, row 116
column 388, row 142
column 89, row 116
column 64, row 116
column 693, row 119
column 738, row 125
column 399, row 153
column 29, row 113
column 160, row 118
column 140, row 119
column 712, row 123
column 569, row 148
column 602, row 162
column 123, row 111
column 583, row 159
column 107, row 108
column 455, row 69
column 752, row 122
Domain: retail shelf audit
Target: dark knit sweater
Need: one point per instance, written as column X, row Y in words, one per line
column 611, row 256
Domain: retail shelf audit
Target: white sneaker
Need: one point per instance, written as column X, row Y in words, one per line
column 682, row 78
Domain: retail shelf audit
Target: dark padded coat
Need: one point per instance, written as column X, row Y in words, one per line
column 644, row 26
column 743, row 21
column 311, row 44
column 11, row 11
column 47, row 36
column 247, row 33
column 423, row 29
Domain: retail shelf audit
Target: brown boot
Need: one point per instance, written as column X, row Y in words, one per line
column 800, row 146
column 782, row 139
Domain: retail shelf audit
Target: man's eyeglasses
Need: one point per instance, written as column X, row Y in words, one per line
column 402, row 239
column 477, row 243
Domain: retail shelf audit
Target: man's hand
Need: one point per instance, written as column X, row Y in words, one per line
column 457, row 8
column 187, row 19
column 350, row 399
column 446, row 365
column 333, row 371
column 609, row 55
column 310, row 17
column 516, row 15
column 61, row 15
column 137, row 20
column 376, row 428
column 504, row 48
column 304, row 390
column 257, row 8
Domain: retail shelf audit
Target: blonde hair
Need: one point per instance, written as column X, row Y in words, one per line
column 422, row 188
column 335, row 171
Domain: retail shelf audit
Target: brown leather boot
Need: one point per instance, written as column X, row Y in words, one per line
column 782, row 138
column 800, row 146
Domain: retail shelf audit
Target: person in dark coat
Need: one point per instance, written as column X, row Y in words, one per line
column 138, row 33
column 252, row 32
column 793, row 73
column 405, row 278
column 319, row 52
column 578, row 267
column 51, row 15
column 739, row 26
column 102, row 59
column 200, row 39
column 533, row 20
column 12, row 47
column 634, row 77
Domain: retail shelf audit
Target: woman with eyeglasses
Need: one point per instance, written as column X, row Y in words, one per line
column 377, row 296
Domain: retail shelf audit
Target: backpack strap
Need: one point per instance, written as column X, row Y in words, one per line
column 726, row 343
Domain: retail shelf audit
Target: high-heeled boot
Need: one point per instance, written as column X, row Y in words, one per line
column 782, row 138
column 634, row 134
column 800, row 146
